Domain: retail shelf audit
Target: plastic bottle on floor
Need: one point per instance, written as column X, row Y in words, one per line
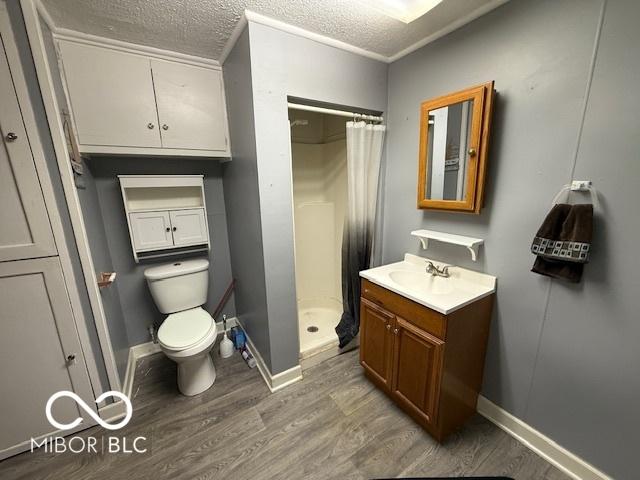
column 248, row 357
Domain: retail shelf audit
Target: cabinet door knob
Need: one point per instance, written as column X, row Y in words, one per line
column 11, row 137
column 150, row 126
column 174, row 228
column 168, row 229
column 388, row 326
column 472, row 152
column 70, row 358
column 395, row 331
column 165, row 127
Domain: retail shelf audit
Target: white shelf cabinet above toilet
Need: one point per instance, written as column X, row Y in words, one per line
column 128, row 103
column 166, row 214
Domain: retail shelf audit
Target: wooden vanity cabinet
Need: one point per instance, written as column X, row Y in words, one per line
column 430, row 364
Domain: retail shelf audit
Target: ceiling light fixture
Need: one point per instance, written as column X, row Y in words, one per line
column 404, row 10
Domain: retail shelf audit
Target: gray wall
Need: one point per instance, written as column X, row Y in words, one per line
column 102, row 262
column 110, row 237
column 242, row 200
column 20, row 34
column 563, row 358
column 287, row 65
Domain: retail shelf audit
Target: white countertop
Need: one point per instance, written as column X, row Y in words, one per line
column 445, row 295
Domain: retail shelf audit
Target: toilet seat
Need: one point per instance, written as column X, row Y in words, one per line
column 184, row 330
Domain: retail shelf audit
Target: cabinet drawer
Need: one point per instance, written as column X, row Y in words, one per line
column 419, row 315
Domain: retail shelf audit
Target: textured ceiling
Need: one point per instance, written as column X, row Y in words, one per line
column 202, row 27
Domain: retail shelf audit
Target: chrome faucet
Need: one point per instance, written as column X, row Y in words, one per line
column 437, row 272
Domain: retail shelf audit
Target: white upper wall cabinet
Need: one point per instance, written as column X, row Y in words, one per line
column 111, row 96
column 191, row 107
column 128, row 103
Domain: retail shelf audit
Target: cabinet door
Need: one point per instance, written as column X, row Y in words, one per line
column 189, row 227
column 25, row 231
column 111, row 96
column 151, row 230
column 39, row 351
column 417, row 366
column 191, row 106
column 376, row 341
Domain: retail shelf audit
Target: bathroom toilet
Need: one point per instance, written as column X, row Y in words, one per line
column 187, row 335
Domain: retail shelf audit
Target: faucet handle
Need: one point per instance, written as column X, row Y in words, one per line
column 430, row 267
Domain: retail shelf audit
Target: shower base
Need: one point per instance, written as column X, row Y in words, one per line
column 317, row 322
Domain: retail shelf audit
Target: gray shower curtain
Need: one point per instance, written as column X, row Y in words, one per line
column 364, row 152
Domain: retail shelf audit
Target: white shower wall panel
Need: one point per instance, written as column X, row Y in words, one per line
column 320, row 196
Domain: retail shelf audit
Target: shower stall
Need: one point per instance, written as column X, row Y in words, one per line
column 319, row 167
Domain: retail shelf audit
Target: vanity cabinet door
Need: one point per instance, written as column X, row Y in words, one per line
column 376, row 342
column 417, row 367
column 151, row 230
column 189, row 227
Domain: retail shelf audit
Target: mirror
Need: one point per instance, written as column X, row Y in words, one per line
column 454, row 132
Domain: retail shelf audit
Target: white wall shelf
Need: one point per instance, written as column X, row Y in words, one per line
column 166, row 214
column 472, row 244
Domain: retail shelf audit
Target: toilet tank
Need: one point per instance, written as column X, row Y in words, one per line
column 180, row 285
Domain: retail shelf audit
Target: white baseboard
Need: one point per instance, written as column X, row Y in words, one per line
column 116, row 410
column 277, row 381
column 331, row 351
column 112, row 412
column 553, row 453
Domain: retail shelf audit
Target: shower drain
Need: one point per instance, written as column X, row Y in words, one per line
column 312, row 329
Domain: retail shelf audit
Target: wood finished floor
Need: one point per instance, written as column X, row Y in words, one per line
column 332, row 424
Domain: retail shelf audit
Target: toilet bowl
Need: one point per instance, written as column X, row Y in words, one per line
column 188, row 333
column 187, row 338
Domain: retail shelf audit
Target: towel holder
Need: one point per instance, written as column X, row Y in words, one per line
column 578, row 186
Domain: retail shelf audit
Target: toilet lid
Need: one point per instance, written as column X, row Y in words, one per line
column 184, row 329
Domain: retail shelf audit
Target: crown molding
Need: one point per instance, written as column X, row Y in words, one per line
column 233, row 39
column 60, row 33
column 251, row 16
column 477, row 13
column 88, row 39
column 301, row 32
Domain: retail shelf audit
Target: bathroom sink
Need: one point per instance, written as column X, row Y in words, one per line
column 422, row 282
column 442, row 294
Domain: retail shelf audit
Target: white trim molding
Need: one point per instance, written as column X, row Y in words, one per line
column 553, row 453
column 45, row 82
column 279, row 380
column 461, row 22
column 235, row 35
column 88, row 39
column 251, row 16
column 113, row 411
column 301, row 32
column 64, row 255
column 60, row 33
column 117, row 410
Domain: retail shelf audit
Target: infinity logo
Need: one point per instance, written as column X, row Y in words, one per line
column 86, row 408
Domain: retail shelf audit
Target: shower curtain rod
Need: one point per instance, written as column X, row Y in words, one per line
column 341, row 113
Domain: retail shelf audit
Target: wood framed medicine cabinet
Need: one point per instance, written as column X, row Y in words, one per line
column 454, row 141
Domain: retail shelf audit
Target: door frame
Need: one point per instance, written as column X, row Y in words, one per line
column 35, row 37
